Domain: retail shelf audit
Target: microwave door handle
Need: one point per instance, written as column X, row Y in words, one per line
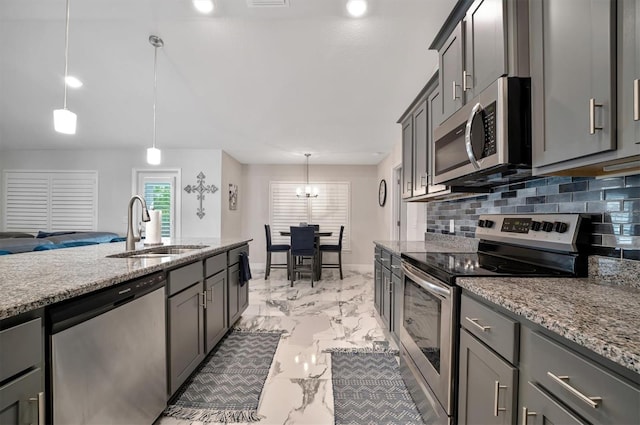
column 467, row 136
column 425, row 284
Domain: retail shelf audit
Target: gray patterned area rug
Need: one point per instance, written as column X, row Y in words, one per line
column 228, row 384
column 368, row 389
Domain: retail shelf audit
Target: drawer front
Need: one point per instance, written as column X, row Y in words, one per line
column 494, row 329
column 182, row 278
column 574, row 379
column 395, row 266
column 215, row 264
column 385, row 259
column 234, row 254
column 20, row 348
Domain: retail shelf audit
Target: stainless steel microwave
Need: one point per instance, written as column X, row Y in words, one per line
column 488, row 141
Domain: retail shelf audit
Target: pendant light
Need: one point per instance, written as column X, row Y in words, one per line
column 357, row 8
column 64, row 121
column 154, row 155
column 307, row 191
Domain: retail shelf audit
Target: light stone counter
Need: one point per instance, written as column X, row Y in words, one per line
column 35, row 279
column 602, row 317
column 443, row 243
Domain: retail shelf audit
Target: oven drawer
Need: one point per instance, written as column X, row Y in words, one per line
column 578, row 382
column 494, row 329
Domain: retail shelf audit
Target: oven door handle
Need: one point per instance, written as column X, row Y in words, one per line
column 412, row 273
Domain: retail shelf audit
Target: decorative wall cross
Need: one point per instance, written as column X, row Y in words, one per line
column 200, row 189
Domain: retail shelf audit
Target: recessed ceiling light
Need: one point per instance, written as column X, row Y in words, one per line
column 203, row 6
column 72, row 82
column 357, row 8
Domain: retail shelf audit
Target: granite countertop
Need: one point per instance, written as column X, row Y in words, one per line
column 32, row 280
column 443, row 243
column 599, row 316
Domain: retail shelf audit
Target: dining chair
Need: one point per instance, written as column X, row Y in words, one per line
column 333, row 248
column 302, row 247
column 275, row 248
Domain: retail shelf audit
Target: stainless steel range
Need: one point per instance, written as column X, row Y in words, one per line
column 526, row 245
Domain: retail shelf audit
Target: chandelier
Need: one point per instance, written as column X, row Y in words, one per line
column 307, row 191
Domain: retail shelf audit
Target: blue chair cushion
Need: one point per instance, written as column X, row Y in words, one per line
column 42, row 234
column 5, row 252
column 335, row 248
column 275, row 248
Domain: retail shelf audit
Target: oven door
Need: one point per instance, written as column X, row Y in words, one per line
column 428, row 331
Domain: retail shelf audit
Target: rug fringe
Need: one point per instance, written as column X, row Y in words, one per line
column 363, row 350
column 208, row 415
column 260, row 331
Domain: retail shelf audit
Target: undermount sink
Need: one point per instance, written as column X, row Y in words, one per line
column 159, row 252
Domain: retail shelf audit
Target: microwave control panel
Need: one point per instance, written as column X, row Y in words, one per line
column 489, row 120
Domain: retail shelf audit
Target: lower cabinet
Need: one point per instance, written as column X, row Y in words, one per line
column 377, row 286
column 186, row 327
column 487, row 387
column 22, row 397
column 216, row 326
column 538, row 408
column 388, row 290
column 237, row 292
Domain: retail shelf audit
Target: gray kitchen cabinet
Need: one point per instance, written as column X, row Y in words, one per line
column 186, row 348
column 237, row 293
column 377, row 281
column 450, row 73
column 407, row 157
column 420, row 150
column 538, row 408
column 397, row 289
column 629, row 78
column 485, row 56
column 386, row 302
column 488, row 385
column 572, row 47
column 434, row 108
column 216, row 326
column 22, row 397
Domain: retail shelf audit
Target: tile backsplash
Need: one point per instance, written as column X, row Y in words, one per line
column 613, row 203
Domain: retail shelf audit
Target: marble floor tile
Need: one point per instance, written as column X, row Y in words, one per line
column 332, row 314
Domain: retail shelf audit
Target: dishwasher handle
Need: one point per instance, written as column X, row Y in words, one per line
column 80, row 309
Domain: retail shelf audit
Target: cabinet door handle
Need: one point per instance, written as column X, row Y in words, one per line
column 423, row 181
column 561, row 380
column 454, row 93
column 496, row 408
column 210, row 291
column 592, row 115
column 526, row 414
column 408, row 186
column 204, row 300
column 465, row 86
column 475, row 323
column 39, row 402
column 636, row 100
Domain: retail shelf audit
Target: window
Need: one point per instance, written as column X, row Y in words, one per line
column 331, row 209
column 158, row 188
column 50, row 200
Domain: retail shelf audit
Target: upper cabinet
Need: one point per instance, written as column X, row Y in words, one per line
column 585, row 67
column 417, row 143
column 485, row 40
column 573, row 78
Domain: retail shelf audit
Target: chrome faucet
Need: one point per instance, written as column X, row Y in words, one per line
column 131, row 237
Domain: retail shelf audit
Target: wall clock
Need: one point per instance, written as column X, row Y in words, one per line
column 382, row 193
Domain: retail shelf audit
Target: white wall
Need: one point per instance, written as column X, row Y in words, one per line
column 365, row 224
column 114, row 181
column 231, row 219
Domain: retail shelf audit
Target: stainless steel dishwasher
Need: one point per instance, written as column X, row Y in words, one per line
column 108, row 355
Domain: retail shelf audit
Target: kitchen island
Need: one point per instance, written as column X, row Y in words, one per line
column 32, row 280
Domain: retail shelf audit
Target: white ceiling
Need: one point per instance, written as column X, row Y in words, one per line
column 264, row 84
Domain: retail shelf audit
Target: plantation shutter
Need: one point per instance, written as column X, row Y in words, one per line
column 50, row 201
column 330, row 210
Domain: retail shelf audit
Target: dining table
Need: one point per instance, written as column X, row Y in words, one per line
column 317, row 266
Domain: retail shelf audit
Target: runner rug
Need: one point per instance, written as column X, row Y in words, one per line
column 228, row 384
column 368, row 389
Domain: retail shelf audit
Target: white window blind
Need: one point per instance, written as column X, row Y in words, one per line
column 331, row 209
column 50, row 200
column 158, row 187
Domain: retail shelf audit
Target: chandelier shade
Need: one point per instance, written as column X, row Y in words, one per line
column 307, row 191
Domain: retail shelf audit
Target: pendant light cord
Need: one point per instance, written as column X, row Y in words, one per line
column 155, row 91
column 66, row 56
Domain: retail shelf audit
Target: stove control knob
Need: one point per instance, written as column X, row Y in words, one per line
column 488, row 223
column 481, row 223
column 560, row 227
column 547, row 226
column 535, row 226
